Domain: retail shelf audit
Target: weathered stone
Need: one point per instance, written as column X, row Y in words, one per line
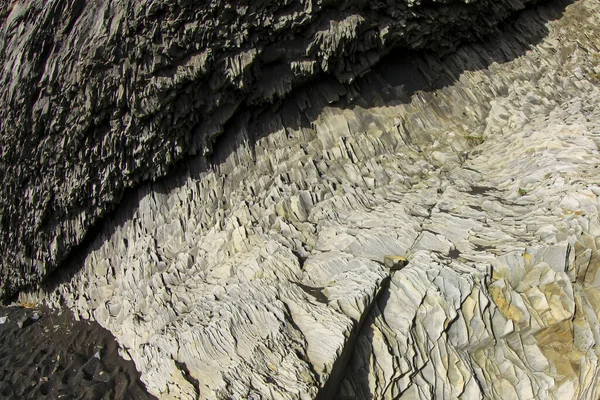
column 261, row 275
column 98, row 97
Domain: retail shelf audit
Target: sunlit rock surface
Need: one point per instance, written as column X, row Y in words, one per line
column 263, row 273
column 99, row 96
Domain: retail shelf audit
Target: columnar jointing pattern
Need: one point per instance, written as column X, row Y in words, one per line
column 99, row 96
column 263, row 275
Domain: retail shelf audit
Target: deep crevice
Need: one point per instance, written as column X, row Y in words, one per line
column 330, row 388
column 185, row 372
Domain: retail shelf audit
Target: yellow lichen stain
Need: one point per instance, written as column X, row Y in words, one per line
column 497, row 274
column 556, row 342
column 27, row 305
column 528, row 260
column 509, row 310
column 558, row 301
column 559, row 345
column 570, row 212
column 394, row 262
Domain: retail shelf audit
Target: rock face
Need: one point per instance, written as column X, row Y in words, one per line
column 373, row 240
column 357, row 241
column 96, row 97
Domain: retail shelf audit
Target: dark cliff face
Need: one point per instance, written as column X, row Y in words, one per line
column 98, row 96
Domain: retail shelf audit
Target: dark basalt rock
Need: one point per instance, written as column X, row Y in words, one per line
column 96, row 97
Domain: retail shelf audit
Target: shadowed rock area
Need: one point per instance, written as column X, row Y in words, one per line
column 97, row 97
column 47, row 354
column 428, row 229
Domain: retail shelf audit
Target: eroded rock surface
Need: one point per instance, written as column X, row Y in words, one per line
column 264, row 274
column 98, row 96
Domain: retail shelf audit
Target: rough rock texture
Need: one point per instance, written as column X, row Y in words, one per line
column 97, row 96
column 266, row 275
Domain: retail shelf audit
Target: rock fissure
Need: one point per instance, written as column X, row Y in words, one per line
column 187, row 376
column 331, row 388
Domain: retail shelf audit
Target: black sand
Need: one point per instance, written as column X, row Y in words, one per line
column 57, row 357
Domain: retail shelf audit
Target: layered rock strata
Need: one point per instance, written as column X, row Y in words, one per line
column 261, row 275
column 96, row 97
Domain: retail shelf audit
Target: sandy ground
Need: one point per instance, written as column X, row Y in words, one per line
column 55, row 357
